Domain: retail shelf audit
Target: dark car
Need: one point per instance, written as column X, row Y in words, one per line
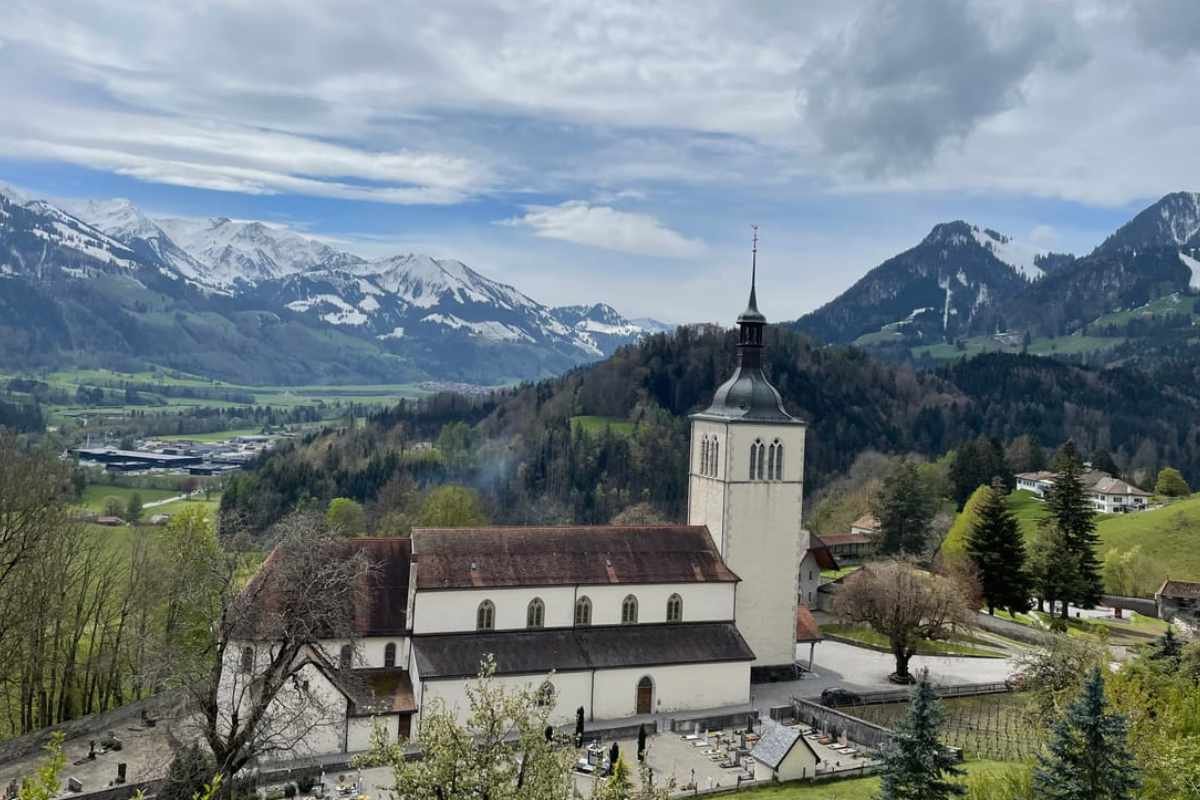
column 838, row 696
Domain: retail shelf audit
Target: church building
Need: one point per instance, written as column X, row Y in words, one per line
column 623, row 621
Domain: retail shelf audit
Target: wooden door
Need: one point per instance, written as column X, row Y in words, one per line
column 645, row 697
column 405, row 728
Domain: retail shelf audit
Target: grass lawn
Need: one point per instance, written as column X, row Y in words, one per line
column 855, row 788
column 93, row 495
column 828, row 575
column 214, row 436
column 962, row 646
column 596, row 425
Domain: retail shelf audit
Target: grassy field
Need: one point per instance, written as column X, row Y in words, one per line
column 596, row 425
column 93, row 496
column 975, row 345
column 856, row 788
column 962, row 646
column 213, row 436
column 1171, row 304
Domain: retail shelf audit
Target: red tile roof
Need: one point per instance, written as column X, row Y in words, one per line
column 465, row 558
column 807, row 629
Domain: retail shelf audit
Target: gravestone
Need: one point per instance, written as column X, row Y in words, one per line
column 74, row 785
column 121, row 772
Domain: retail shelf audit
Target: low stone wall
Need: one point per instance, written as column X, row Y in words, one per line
column 867, row 734
column 1012, row 630
column 1146, row 606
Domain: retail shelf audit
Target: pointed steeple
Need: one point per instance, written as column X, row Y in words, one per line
column 748, row 395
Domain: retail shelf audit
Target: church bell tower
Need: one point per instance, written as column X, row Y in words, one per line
column 746, row 483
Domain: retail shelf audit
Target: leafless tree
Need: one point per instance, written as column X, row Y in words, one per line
column 243, row 681
column 905, row 604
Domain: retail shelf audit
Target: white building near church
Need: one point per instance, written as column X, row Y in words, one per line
column 620, row 621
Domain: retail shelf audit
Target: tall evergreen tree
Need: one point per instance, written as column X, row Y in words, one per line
column 977, row 463
column 997, row 549
column 1088, row 756
column 915, row 765
column 905, row 510
column 1068, row 507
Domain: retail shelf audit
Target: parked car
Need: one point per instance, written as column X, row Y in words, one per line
column 837, row 696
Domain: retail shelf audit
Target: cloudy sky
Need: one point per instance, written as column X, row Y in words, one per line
column 615, row 151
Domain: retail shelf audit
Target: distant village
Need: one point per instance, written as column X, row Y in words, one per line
column 180, row 456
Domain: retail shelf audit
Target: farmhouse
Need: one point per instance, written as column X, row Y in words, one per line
column 623, row 622
column 1108, row 495
column 1179, row 604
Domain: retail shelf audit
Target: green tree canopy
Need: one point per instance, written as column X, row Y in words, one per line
column 1171, row 483
column 451, row 506
column 905, row 510
column 915, row 764
column 133, row 509
column 1068, row 508
column 997, row 549
column 1088, row 756
column 346, row 517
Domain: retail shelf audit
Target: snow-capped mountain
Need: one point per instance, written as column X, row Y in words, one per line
column 604, row 327
column 952, row 281
column 1174, row 221
column 233, row 251
column 423, row 317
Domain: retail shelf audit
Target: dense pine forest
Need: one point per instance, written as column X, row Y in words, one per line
column 588, row 445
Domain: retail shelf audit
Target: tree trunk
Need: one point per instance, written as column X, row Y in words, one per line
column 991, row 610
column 902, row 657
column 1041, row 604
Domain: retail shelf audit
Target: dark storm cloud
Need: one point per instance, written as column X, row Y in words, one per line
column 905, row 77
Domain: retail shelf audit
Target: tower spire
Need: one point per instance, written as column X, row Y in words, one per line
column 754, row 270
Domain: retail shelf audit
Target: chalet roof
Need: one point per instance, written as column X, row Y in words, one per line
column 807, row 629
column 1180, row 589
column 467, row 558
column 457, row 655
column 776, row 742
column 1040, row 475
column 1109, row 485
column 868, row 521
column 381, row 602
column 820, row 551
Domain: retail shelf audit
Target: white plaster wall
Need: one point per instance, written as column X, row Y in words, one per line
column 452, row 610
column 763, row 540
column 572, row 689
column 706, row 495
column 687, row 687
column 360, row 729
column 368, row 651
column 320, row 727
column 798, row 764
column 810, row 577
column 702, row 602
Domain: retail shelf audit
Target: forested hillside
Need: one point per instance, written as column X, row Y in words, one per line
column 534, row 459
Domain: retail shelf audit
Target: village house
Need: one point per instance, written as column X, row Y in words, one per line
column 622, row 621
column 1108, row 495
column 856, row 546
column 1179, row 604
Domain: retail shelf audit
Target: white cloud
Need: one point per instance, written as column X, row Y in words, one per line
column 1044, row 236
column 605, row 227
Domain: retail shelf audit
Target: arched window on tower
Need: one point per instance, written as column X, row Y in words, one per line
column 535, row 616
column 485, row 616
column 778, row 460
column 758, row 458
column 716, row 449
column 771, row 462
column 753, row 459
column 583, row 611
column 704, row 455
column 389, row 655
column 629, row 610
column 674, row 608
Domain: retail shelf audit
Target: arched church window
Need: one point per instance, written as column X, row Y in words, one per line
column 778, row 460
column 485, row 616
column 704, row 456
column 758, row 458
column 771, row 462
column 535, row 616
column 247, row 660
column 345, row 657
column 629, row 610
column 545, row 694
column 583, row 611
column 674, row 608
column 716, row 448
column 753, row 459
column 389, row 655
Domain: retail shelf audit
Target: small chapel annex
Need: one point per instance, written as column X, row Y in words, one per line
column 623, row 621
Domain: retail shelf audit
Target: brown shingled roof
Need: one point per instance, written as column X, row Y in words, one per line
column 464, row 558
column 807, row 629
column 832, row 539
column 1172, row 588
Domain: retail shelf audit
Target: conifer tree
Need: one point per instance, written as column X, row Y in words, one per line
column 1067, row 506
column 1167, row 647
column 997, row 549
column 904, row 510
column 1088, row 757
column 915, row 765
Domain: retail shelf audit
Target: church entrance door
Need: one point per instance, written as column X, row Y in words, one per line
column 645, row 696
